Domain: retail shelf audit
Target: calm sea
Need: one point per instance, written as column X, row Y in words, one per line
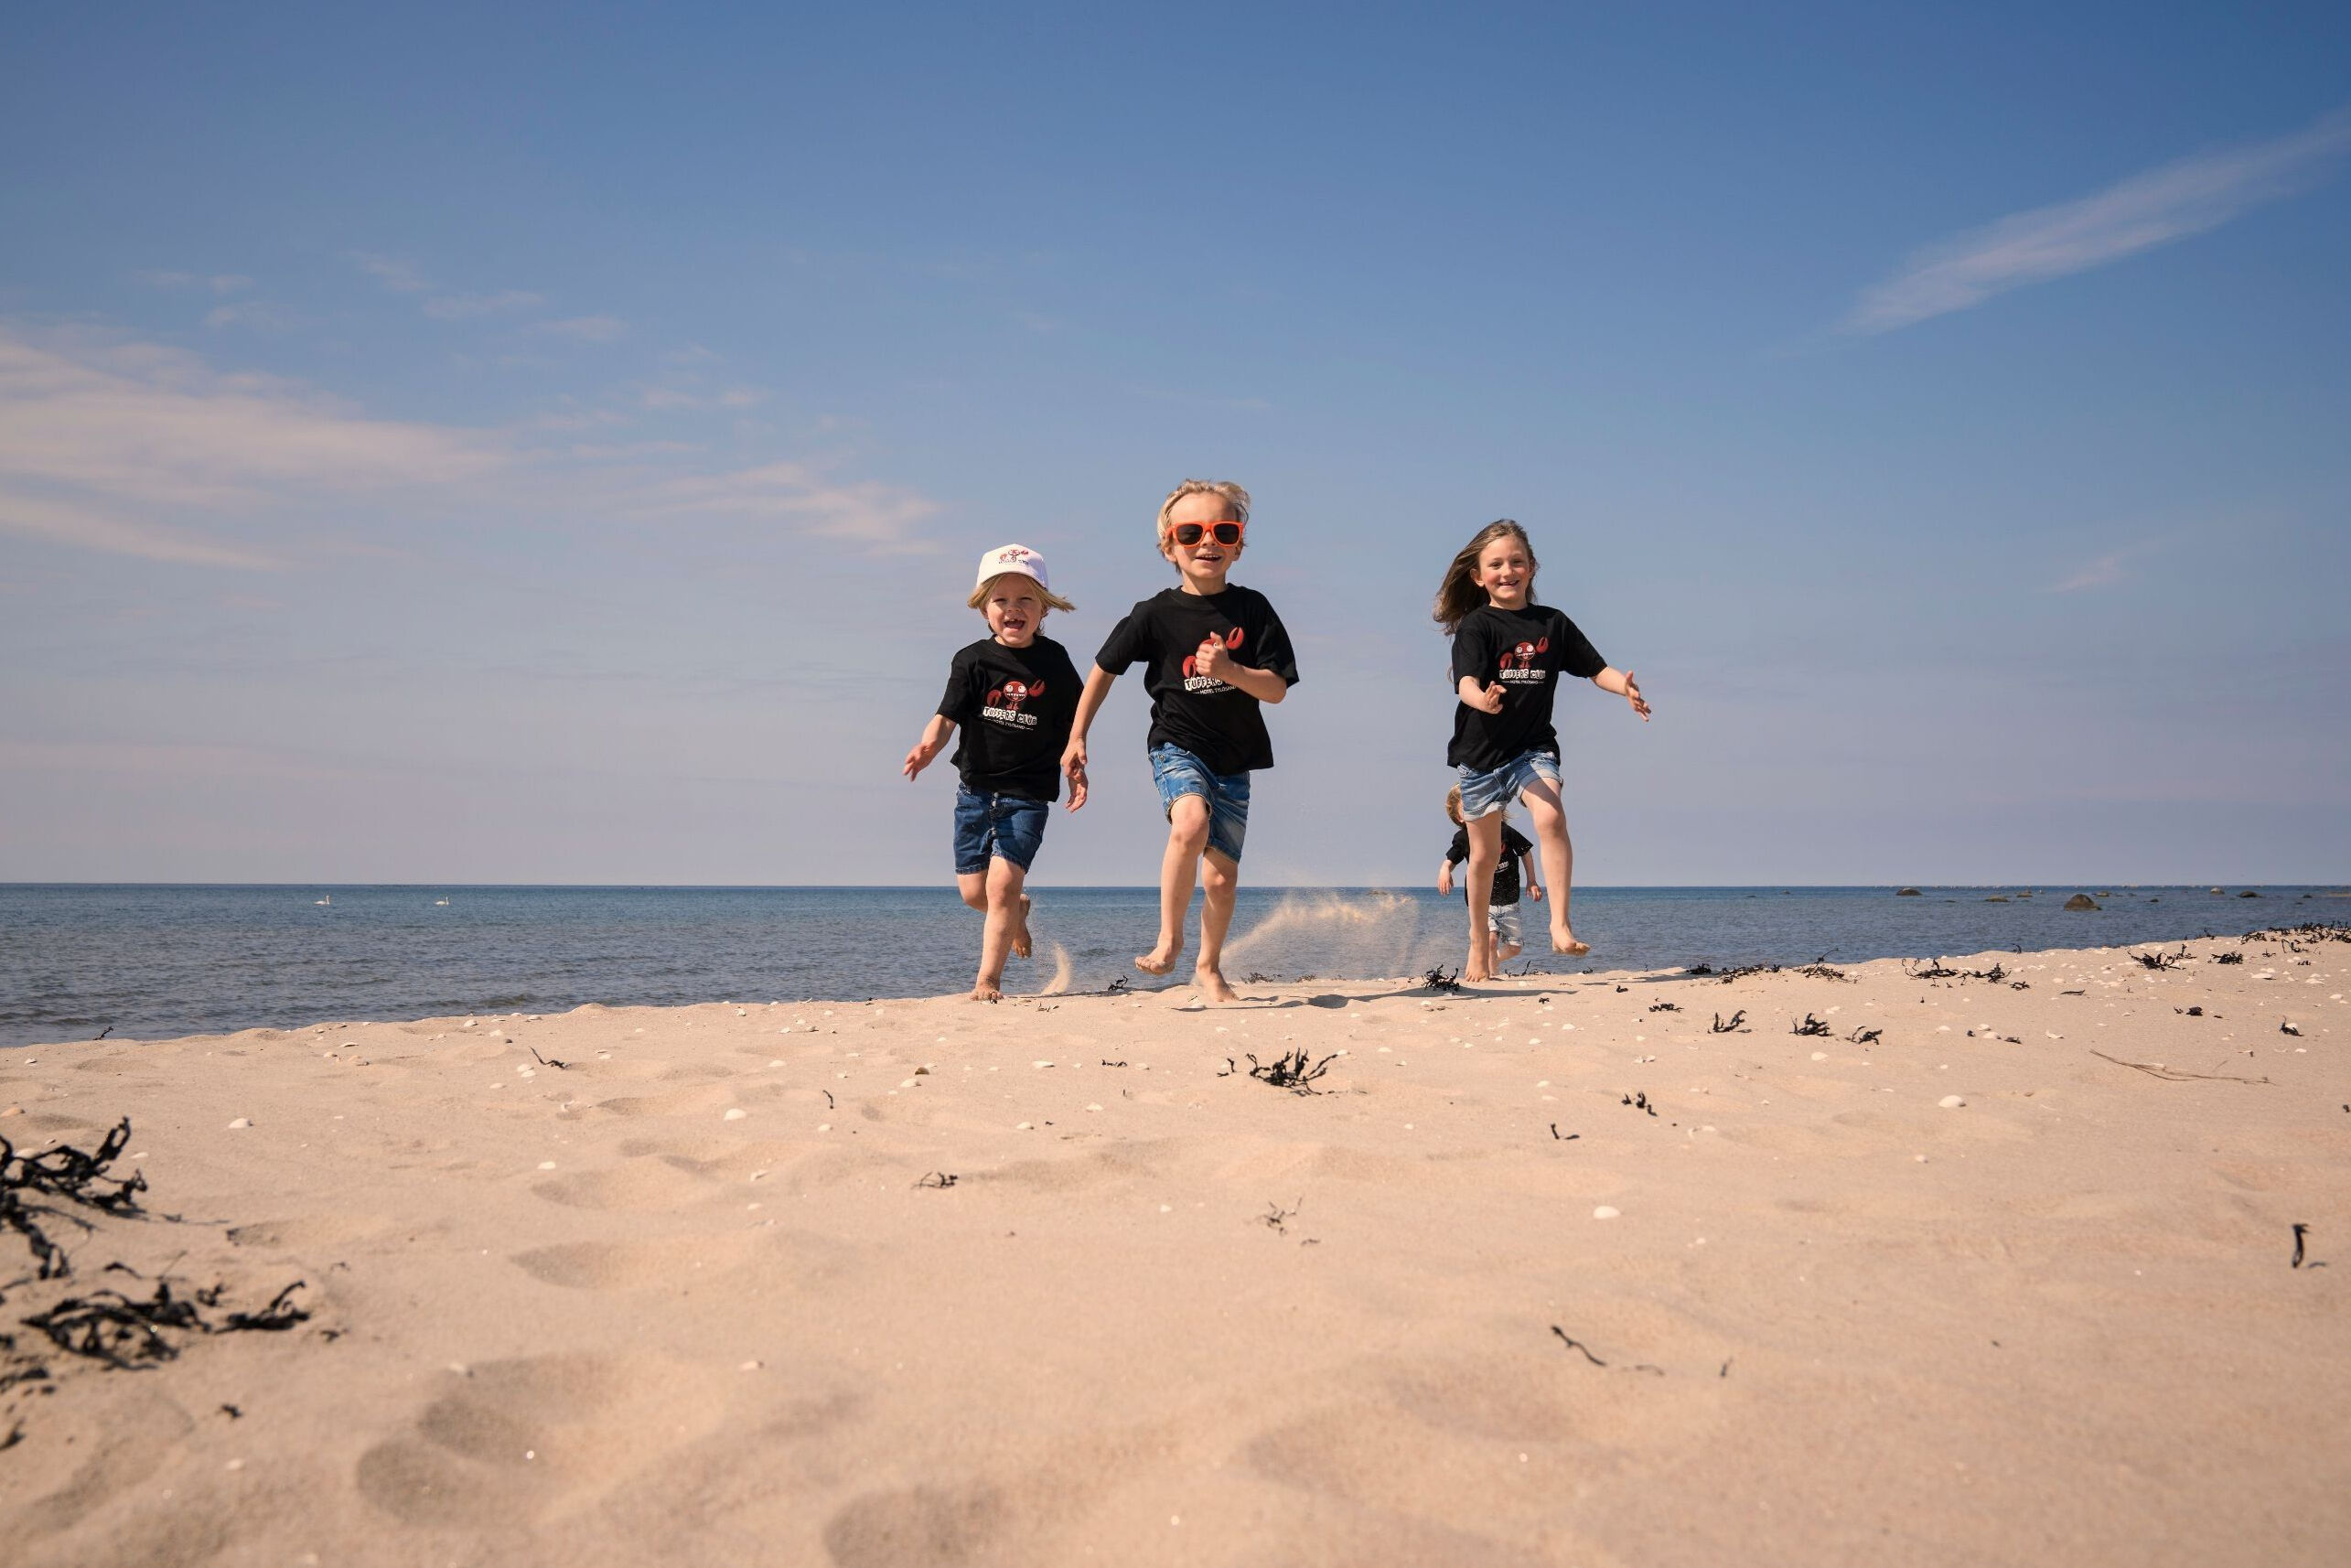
column 154, row 962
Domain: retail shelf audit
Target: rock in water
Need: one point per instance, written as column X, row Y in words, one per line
column 2081, row 901
column 1907, row 892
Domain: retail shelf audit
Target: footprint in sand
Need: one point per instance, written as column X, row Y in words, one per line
column 510, row 1440
column 670, row 1260
column 636, row 1185
column 914, row 1528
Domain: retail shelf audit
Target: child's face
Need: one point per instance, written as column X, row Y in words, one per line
column 1014, row 610
column 1204, row 564
column 1506, row 571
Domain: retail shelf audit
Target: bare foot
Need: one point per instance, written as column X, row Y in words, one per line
column 1472, row 975
column 1564, row 941
column 1021, row 944
column 1160, row 959
column 987, row 991
column 1213, row 988
column 1510, row 952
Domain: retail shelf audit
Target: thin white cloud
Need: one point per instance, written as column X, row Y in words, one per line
column 255, row 313
column 401, row 277
column 587, row 328
column 2109, row 569
column 802, row 497
column 121, row 447
column 134, row 449
column 460, row 306
column 220, row 283
column 2157, row 208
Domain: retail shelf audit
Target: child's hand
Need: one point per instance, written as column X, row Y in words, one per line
column 1444, row 881
column 1077, row 772
column 1210, row 658
column 919, row 758
column 1633, row 695
column 1488, row 699
column 1535, row 891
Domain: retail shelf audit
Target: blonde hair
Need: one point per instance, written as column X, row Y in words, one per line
column 1053, row 600
column 1452, row 807
column 1236, row 501
column 1459, row 593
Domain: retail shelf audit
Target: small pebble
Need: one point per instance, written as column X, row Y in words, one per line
column 239, row 1122
column 1603, row 1213
column 1951, row 1102
column 1819, row 1056
column 1024, row 1126
column 1040, row 1064
column 735, row 1113
column 546, row 1164
column 825, row 1126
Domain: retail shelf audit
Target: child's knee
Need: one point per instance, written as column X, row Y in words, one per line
column 1217, row 875
column 1187, row 821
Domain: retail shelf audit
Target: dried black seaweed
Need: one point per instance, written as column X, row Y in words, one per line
column 1811, row 1025
column 1737, row 1019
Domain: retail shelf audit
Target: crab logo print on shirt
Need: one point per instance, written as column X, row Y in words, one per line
column 1005, row 704
column 1518, row 663
column 1209, row 684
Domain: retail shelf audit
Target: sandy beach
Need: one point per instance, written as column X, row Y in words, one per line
column 1983, row 1270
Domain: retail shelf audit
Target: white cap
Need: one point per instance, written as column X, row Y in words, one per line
column 1013, row 558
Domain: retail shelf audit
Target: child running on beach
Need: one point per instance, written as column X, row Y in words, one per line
column 1502, row 907
column 1215, row 652
column 1013, row 693
column 1506, row 651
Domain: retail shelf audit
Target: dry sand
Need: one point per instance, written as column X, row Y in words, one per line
column 690, row 1298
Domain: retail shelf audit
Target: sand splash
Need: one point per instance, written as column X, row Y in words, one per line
column 1370, row 933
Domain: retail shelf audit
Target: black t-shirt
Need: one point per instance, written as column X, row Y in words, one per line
column 1505, row 874
column 1525, row 650
column 1016, row 706
column 1221, row 725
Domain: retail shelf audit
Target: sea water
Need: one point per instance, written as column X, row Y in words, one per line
column 155, row 961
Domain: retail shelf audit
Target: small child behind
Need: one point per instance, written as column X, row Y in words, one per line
column 1517, row 851
column 1013, row 693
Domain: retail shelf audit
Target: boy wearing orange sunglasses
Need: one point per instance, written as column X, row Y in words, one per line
column 1216, row 653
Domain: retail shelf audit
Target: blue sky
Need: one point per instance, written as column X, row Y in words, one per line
column 553, row 445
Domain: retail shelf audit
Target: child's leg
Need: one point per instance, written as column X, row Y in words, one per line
column 1485, row 854
column 1187, row 836
column 1507, row 942
column 974, row 885
column 1542, row 797
column 1219, row 880
column 1004, row 900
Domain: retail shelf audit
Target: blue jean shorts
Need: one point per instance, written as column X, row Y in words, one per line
column 1483, row 794
column 1179, row 773
column 1009, row 826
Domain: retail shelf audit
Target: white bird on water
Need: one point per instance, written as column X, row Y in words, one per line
column 440, row 903
column 329, row 899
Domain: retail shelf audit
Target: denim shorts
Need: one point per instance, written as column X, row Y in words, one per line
column 1502, row 920
column 1178, row 773
column 1009, row 826
column 1483, row 794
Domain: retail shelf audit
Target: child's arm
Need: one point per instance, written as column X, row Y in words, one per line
column 1527, row 873
column 1073, row 755
column 1212, row 661
column 1621, row 683
column 1444, row 878
column 1483, row 698
column 935, row 736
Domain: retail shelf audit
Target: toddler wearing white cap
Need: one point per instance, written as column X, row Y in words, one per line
column 1013, row 694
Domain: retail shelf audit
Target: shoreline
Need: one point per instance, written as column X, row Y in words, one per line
column 1550, row 1272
